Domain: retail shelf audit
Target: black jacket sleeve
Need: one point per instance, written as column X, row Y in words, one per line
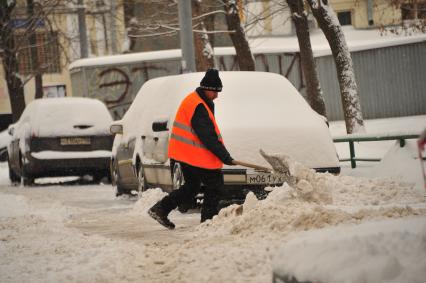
column 204, row 128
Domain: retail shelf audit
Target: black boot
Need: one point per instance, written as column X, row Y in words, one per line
column 208, row 213
column 158, row 213
column 188, row 204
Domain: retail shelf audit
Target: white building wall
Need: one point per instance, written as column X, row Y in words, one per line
column 267, row 18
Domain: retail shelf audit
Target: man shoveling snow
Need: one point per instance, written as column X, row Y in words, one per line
column 196, row 143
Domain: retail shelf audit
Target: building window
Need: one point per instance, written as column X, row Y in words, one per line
column 410, row 11
column 345, row 18
column 47, row 53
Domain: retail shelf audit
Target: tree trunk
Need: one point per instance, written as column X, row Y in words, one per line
column 10, row 62
column 313, row 87
column 245, row 58
column 14, row 85
column 332, row 30
column 204, row 55
column 34, row 56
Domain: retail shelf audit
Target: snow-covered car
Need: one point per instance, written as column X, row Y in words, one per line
column 255, row 110
column 60, row 137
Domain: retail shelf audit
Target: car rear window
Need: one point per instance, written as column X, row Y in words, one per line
column 71, row 116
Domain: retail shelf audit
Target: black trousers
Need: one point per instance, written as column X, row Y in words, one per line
column 194, row 176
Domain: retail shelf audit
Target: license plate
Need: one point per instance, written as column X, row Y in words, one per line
column 74, row 141
column 265, row 178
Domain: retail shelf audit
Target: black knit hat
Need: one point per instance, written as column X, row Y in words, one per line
column 211, row 81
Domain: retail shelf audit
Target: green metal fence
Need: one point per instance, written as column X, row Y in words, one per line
column 351, row 139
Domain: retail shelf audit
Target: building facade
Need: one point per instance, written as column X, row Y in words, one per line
column 272, row 18
column 105, row 31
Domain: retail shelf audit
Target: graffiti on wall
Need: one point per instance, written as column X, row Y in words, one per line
column 117, row 86
column 122, row 80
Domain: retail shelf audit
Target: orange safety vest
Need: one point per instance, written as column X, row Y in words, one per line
column 184, row 144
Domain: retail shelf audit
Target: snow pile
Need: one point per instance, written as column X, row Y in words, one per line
column 147, row 199
column 249, row 234
column 316, row 201
column 406, row 155
column 378, row 256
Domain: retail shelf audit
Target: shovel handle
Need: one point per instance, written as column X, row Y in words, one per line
column 250, row 165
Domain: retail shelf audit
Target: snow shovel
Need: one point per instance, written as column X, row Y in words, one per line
column 250, row 165
column 279, row 166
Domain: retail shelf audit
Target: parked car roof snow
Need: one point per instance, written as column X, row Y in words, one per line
column 54, row 116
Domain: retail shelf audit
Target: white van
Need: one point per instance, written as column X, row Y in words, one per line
column 255, row 110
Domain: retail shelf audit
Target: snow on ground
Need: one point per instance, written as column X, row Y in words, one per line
column 378, row 256
column 82, row 233
column 37, row 246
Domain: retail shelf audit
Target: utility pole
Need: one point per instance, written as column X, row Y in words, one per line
column 32, row 26
column 81, row 12
column 113, row 40
column 186, row 37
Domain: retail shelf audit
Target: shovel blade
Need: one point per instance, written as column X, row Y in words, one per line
column 279, row 164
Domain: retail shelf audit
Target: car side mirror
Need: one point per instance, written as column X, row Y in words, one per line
column 160, row 126
column 116, row 129
column 11, row 130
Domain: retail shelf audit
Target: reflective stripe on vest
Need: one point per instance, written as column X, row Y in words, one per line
column 189, row 129
column 184, row 144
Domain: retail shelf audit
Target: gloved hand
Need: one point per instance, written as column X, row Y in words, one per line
column 228, row 161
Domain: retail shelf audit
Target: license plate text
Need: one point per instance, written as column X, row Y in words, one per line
column 74, row 141
column 265, row 178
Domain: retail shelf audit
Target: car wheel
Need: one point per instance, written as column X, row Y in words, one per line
column 13, row 177
column 26, row 179
column 101, row 177
column 142, row 185
column 119, row 190
column 178, row 179
column 113, row 173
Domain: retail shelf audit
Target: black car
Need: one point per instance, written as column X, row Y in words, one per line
column 60, row 137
